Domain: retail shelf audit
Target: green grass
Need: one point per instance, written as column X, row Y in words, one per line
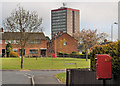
column 44, row 63
column 61, row 77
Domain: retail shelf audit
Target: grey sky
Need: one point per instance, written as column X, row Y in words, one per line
column 93, row 15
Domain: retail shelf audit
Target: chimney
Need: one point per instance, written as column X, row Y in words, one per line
column 58, row 33
column 61, row 32
column 105, row 40
column 54, row 35
column 23, row 30
column 1, row 29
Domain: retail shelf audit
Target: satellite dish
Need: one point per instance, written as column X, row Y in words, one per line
column 64, row 4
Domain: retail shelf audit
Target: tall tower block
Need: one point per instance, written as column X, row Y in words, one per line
column 65, row 20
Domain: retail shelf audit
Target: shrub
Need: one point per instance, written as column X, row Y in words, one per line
column 73, row 55
column 77, row 54
column 111, row 49
column 73, row 52
column 83, row 52
column 61, row 54
column 13, row 54
column 3, row 54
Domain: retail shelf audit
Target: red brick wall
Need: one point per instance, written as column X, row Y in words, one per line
column 69, row 48
column 27, row 47
column 71, row 44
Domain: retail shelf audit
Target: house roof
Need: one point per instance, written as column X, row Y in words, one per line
column 63, row 34
column 17, row 35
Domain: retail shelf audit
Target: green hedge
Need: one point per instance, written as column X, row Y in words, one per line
column 112, row 49
column 73, row 55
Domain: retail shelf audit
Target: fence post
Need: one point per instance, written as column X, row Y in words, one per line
column 68, row 75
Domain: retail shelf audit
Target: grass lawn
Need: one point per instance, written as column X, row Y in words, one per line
column 44, row 63
column 61, row 77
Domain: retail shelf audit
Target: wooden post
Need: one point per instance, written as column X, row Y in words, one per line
column 104, row 82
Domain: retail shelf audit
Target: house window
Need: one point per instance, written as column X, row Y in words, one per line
column 13, row 41
column 37, row 41
column 33, row 51
column 15, row 50
column 34, row 41
column 31, row 41
column 0, row 41
column 7, row 41
column 17, row 41
column 64, row 43
column 28, row 41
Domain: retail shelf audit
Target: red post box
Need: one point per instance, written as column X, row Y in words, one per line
column 53, row 55
column 103, row 66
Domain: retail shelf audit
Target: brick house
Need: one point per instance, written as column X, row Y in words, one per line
column 35, row 46
column 64, row 43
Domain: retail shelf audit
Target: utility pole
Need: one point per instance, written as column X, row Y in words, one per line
column 55, row 47
column 112, row 30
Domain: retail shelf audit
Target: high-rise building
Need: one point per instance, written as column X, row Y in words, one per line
column 65, row 20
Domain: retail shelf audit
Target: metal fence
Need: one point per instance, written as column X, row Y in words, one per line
column 75, row 56
column 81, row 77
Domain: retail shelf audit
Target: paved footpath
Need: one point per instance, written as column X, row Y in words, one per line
column 23, row 77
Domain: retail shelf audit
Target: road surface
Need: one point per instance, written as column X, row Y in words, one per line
column 24, row 77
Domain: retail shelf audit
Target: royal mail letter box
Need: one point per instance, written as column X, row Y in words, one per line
column 103, row 66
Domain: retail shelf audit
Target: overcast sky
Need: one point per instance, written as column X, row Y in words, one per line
column 93, row 15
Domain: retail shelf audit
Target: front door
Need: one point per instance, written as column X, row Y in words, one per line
column 3, row 52
column 43, row 53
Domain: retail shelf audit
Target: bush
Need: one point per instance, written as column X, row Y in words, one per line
column 13, row 54
column 73, row 52
column 77, row 54
column 73, row 55
column 111, row 49
column 83, row 52
column 61, row 54
column 3, row 54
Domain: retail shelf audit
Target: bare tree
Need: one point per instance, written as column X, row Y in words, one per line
column 88, row 38
column 23, row 21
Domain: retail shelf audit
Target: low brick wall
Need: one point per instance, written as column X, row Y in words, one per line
column 79, row 77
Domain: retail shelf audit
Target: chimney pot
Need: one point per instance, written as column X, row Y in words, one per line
column 61, row 32
column 23, row 30
column 1, row 29
column 105, row 40
column 58, row 33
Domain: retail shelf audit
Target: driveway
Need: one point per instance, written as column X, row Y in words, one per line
column 24, row 77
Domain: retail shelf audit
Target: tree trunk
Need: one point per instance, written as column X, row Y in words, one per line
column 7, row 54
column 36, row 57
column 22, row 58
column 86, row 54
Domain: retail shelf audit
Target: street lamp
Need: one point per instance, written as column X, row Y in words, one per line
column 55, row 47
column 112, row 30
